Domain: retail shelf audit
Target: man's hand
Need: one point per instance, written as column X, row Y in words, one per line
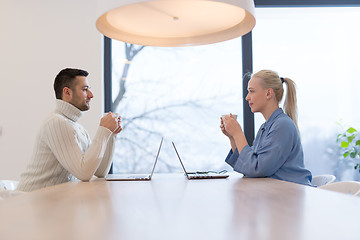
column 118, row 130
column 112, row 122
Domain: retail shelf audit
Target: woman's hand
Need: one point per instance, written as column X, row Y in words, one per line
column 233, row 130
column 231, row 126
column 222, row 127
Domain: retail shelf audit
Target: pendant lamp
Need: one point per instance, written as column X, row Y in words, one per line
column 175, row 23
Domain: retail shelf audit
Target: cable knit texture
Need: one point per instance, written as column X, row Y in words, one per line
column 64, row 151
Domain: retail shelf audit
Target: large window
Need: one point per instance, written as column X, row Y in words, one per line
column 319, row 49
column 178, row 93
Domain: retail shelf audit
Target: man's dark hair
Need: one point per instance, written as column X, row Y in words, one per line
column 65, row 78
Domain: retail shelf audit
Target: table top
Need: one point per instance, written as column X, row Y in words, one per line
column 172, row 207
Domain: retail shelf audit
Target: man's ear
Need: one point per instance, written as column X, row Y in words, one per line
column 67, row 93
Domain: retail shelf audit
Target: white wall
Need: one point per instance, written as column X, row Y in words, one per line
column 39, row 38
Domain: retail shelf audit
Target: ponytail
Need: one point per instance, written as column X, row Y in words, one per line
column 290, row 101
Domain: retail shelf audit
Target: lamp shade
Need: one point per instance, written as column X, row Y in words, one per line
column 175, row 23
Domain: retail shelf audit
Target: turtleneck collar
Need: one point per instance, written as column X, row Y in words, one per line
column 68, row 110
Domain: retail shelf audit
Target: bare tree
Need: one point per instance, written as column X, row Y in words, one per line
column 142, row 129
column 130, row 52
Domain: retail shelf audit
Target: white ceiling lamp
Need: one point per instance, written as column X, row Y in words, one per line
column 175, row 23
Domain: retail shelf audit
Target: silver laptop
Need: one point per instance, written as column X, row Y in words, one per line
column 202, row 174
column 134, row 177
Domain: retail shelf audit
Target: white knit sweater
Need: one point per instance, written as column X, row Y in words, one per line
column 63, row 150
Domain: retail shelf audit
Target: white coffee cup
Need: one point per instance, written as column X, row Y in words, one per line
column 116, row 115
column 233, row 116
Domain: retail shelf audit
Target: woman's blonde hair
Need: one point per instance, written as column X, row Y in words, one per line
column 271, row 79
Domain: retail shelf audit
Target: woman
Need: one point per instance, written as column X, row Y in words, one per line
column 276, row 150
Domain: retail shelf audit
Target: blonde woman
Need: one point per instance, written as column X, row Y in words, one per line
column 276, row 150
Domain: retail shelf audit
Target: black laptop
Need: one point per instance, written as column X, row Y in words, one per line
column 200, row 174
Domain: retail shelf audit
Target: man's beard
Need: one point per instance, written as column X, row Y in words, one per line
column 82, row 107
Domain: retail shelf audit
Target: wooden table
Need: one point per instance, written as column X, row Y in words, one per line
column 172, row 207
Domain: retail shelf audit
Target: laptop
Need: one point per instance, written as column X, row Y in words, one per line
column 135, row 177
column 202, row 174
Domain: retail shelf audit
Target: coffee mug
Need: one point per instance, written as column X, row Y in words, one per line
column 233, row 115
column 116, row 115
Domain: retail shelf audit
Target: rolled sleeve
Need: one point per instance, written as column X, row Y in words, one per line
column 232, row 158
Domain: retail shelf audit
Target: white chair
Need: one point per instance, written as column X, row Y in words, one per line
column 7, row 189
column 357, row 194
column 348, row 187
column 321, row 180
column 8, row 184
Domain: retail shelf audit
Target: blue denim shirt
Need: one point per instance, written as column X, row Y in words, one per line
column 276, row 152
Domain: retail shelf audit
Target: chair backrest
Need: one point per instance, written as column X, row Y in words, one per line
column 357, row 193
column 8, row 184
column 321, row 180
column 348, row 187
column 7, row 189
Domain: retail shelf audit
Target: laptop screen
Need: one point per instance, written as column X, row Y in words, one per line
column 157, row 155
column 180, row 159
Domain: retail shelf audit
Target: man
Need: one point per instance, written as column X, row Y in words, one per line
column 63, row 149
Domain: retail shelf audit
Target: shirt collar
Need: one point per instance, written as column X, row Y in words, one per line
column 273, row 116
column 68, row 110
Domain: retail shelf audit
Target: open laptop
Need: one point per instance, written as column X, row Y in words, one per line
column 135, row 177
column 202, row 174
